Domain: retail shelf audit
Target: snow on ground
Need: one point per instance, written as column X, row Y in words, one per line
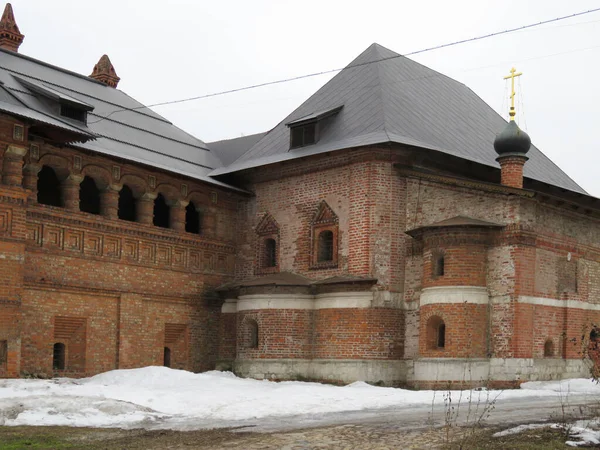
column 150, row 395
column 587, row 432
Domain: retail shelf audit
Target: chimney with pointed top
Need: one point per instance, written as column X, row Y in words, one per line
column 10, row 36
column 104, row 72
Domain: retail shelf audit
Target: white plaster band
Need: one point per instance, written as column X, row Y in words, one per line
column 230, row 306
column 275, row 301
column 454, row 294
column 542, row 301
column 344, row 300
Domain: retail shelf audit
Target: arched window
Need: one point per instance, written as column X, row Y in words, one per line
column 58, row 356
column 325, row 246
column 270, row 253
column 436, row 333
column 549, row 349
column 192, row 219
column 48, row 188
column 167, row 357
column 251, row 334
column 439, row 262
column 127, row 204
column 89, row 196
column 162, row 212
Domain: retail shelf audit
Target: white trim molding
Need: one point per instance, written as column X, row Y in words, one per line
column 557, row 303
column 343, row 300
column 454, row 294
column 275, row 301
column 230, row 306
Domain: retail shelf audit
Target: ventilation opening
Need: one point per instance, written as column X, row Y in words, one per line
column 48, row 187
column 303, row 135
column 549, row 349
column 192, row 219
column 439, row 266
column 73, row 113
column 270, row 253
column 161, row 212
column 325, row 246
column 251, row 334
column 436, row 333
column 89, row 196
column 127, row 206
column 58, row 356
column 3, row 354
column 167, row 357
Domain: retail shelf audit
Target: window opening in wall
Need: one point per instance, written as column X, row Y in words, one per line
column 3, row 354
column 441, row 335
column 436, row 333
column 270, row 253
column 548, row 349
column 439, row 266
column 161, row 212
column 89, row 196
column 73, row 113
column 58, row 356
column 252, row 337
column 325, row 246
column 192, row 219
column 127, row 206
column 48, row 187
column 167, row 357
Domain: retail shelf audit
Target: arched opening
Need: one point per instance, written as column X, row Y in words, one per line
column 167, row 357
column 436, row 333
column 270, row 253
column 127, row 205
column 58, row 356
column 192, row 219
column 48, row 188
column 89, row 196
column 251, row 336
column 439, row 263
column 162, row 212
column 549, row 349
column 325, row 246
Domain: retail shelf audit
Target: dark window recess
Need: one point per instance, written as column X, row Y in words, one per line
column 441, row 336
column 549, row 349
column 127, row 206
column 162, row 212
column 270, row 253
column 253, row 337
column 192, row 219
column 167, row 357
column 439, row 268
column 73, row 113
column 48, row 187
column 325, row 246
column 89, row 196
column 303, row 135
column 3, row 353
column 58, row 356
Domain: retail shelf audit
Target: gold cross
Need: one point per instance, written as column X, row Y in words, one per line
column 512, row 77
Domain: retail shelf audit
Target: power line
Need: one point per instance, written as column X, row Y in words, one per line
column 314, row 74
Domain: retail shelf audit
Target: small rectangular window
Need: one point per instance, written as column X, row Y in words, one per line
column 3, row 354
column 73, row 113
column 303, row 135
column 18, row 132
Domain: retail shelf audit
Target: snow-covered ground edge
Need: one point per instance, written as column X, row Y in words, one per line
column 143, row 398
column 586, row 432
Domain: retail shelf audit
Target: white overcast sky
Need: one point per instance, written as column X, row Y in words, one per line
column 165, row 50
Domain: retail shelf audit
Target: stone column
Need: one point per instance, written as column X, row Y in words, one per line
column 145, row 208
column 178, row 215
column 12, row 169
column 109, row 201
column 30, row 179
column 210, row 223
column 71, row 192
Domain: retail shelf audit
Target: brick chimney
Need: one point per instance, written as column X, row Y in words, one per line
column 10, row 36
column 104, row 72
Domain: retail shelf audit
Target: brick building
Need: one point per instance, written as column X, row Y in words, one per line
column 382, row 231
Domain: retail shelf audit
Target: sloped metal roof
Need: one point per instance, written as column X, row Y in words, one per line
column 121, row 126
column 229, row 150
column 390, row 98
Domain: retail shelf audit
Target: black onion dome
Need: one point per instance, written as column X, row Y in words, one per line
column 512, row 140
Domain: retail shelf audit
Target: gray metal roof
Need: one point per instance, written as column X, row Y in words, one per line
column 231, row 149
column 390, row 98
column 132, row 131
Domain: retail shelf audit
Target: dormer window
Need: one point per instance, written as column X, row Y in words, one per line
column 74, row 113
column 308, row 129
